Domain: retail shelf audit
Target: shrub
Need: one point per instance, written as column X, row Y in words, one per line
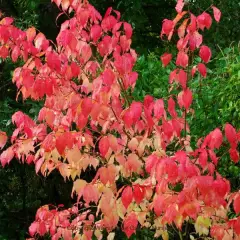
column 143, row 171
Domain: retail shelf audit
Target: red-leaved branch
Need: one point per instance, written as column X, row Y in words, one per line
column 90, row 121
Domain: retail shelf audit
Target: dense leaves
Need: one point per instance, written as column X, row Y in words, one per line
column 89, row 121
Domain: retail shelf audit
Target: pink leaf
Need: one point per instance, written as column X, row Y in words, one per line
column 158, row 204
column 31, row 33
column 6, row 21
column 167, row 28
column 236, row 204
column 171, row 108
column 166, row 59
column 234, row 154
column 6, row 156
column 202, row 69
column 187, row 98
column 179, row 6
column 42, row 230
column 130, row 224
column 127, row 196
column 15, row 53
column 138, row 193
column 38, row 165
column 205, row 53
column 193, row 71
column 204, row 20
column 217, row 13
column 195, row 40
column 128, row 29
column 216, row 138
column 151, row 163
column 90, row 194
column 182, row 78
column 103, row 146
column 33, row 228
column 203, row 157
column 182, row 59
column 3, row 139
column 95, row 32
column 231, row 134
column 158, row 108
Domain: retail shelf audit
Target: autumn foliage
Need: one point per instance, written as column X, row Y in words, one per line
column 89, row 121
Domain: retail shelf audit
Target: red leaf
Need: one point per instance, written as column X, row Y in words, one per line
column 182, row 59
column 204, row 20
column 41, row 42
column 173, row 76
column 103, row 146
column 179, row 6
column 49, row 143
column 182, row 78
column 182, row 28
column 61, row 143
column 74, row 69
column 231, row 134
column 202, row 69
column 193, row 71
column 6, row 156
column 187, row 98
column 158, row 205
column 236, row 204
column 236, row 226
column 195, row 40
column 90, row 194
column 136, row 111
column 95, row 32
column 234, row 154
column 108, row 23
column 151, row 163
column 38, row 164
column 203, row 157
column 213, row 156
column 167, row 129
column 193, row 24
column 31, row 33
column 128, row 29
column 171, row 108
column 42, row 229
column 217, row 13
column 167, row 28
column 216, row 139
column 182, row 43
column 86, row 106
column 166, row 59
column 15, row 53
column 81, row 121
column 158, row 108
column 138, row 193
column 205, row 53
column 127, row 196
column 130, row 224
column 217, row 231
column 3, row 139
column 6, row 21
column 3, row 52
column 33, row 228
column 108, row 77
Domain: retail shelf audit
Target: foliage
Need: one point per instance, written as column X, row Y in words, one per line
column 216, row 99
column 146, row 17
column 152, row 80
column 147, row 174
